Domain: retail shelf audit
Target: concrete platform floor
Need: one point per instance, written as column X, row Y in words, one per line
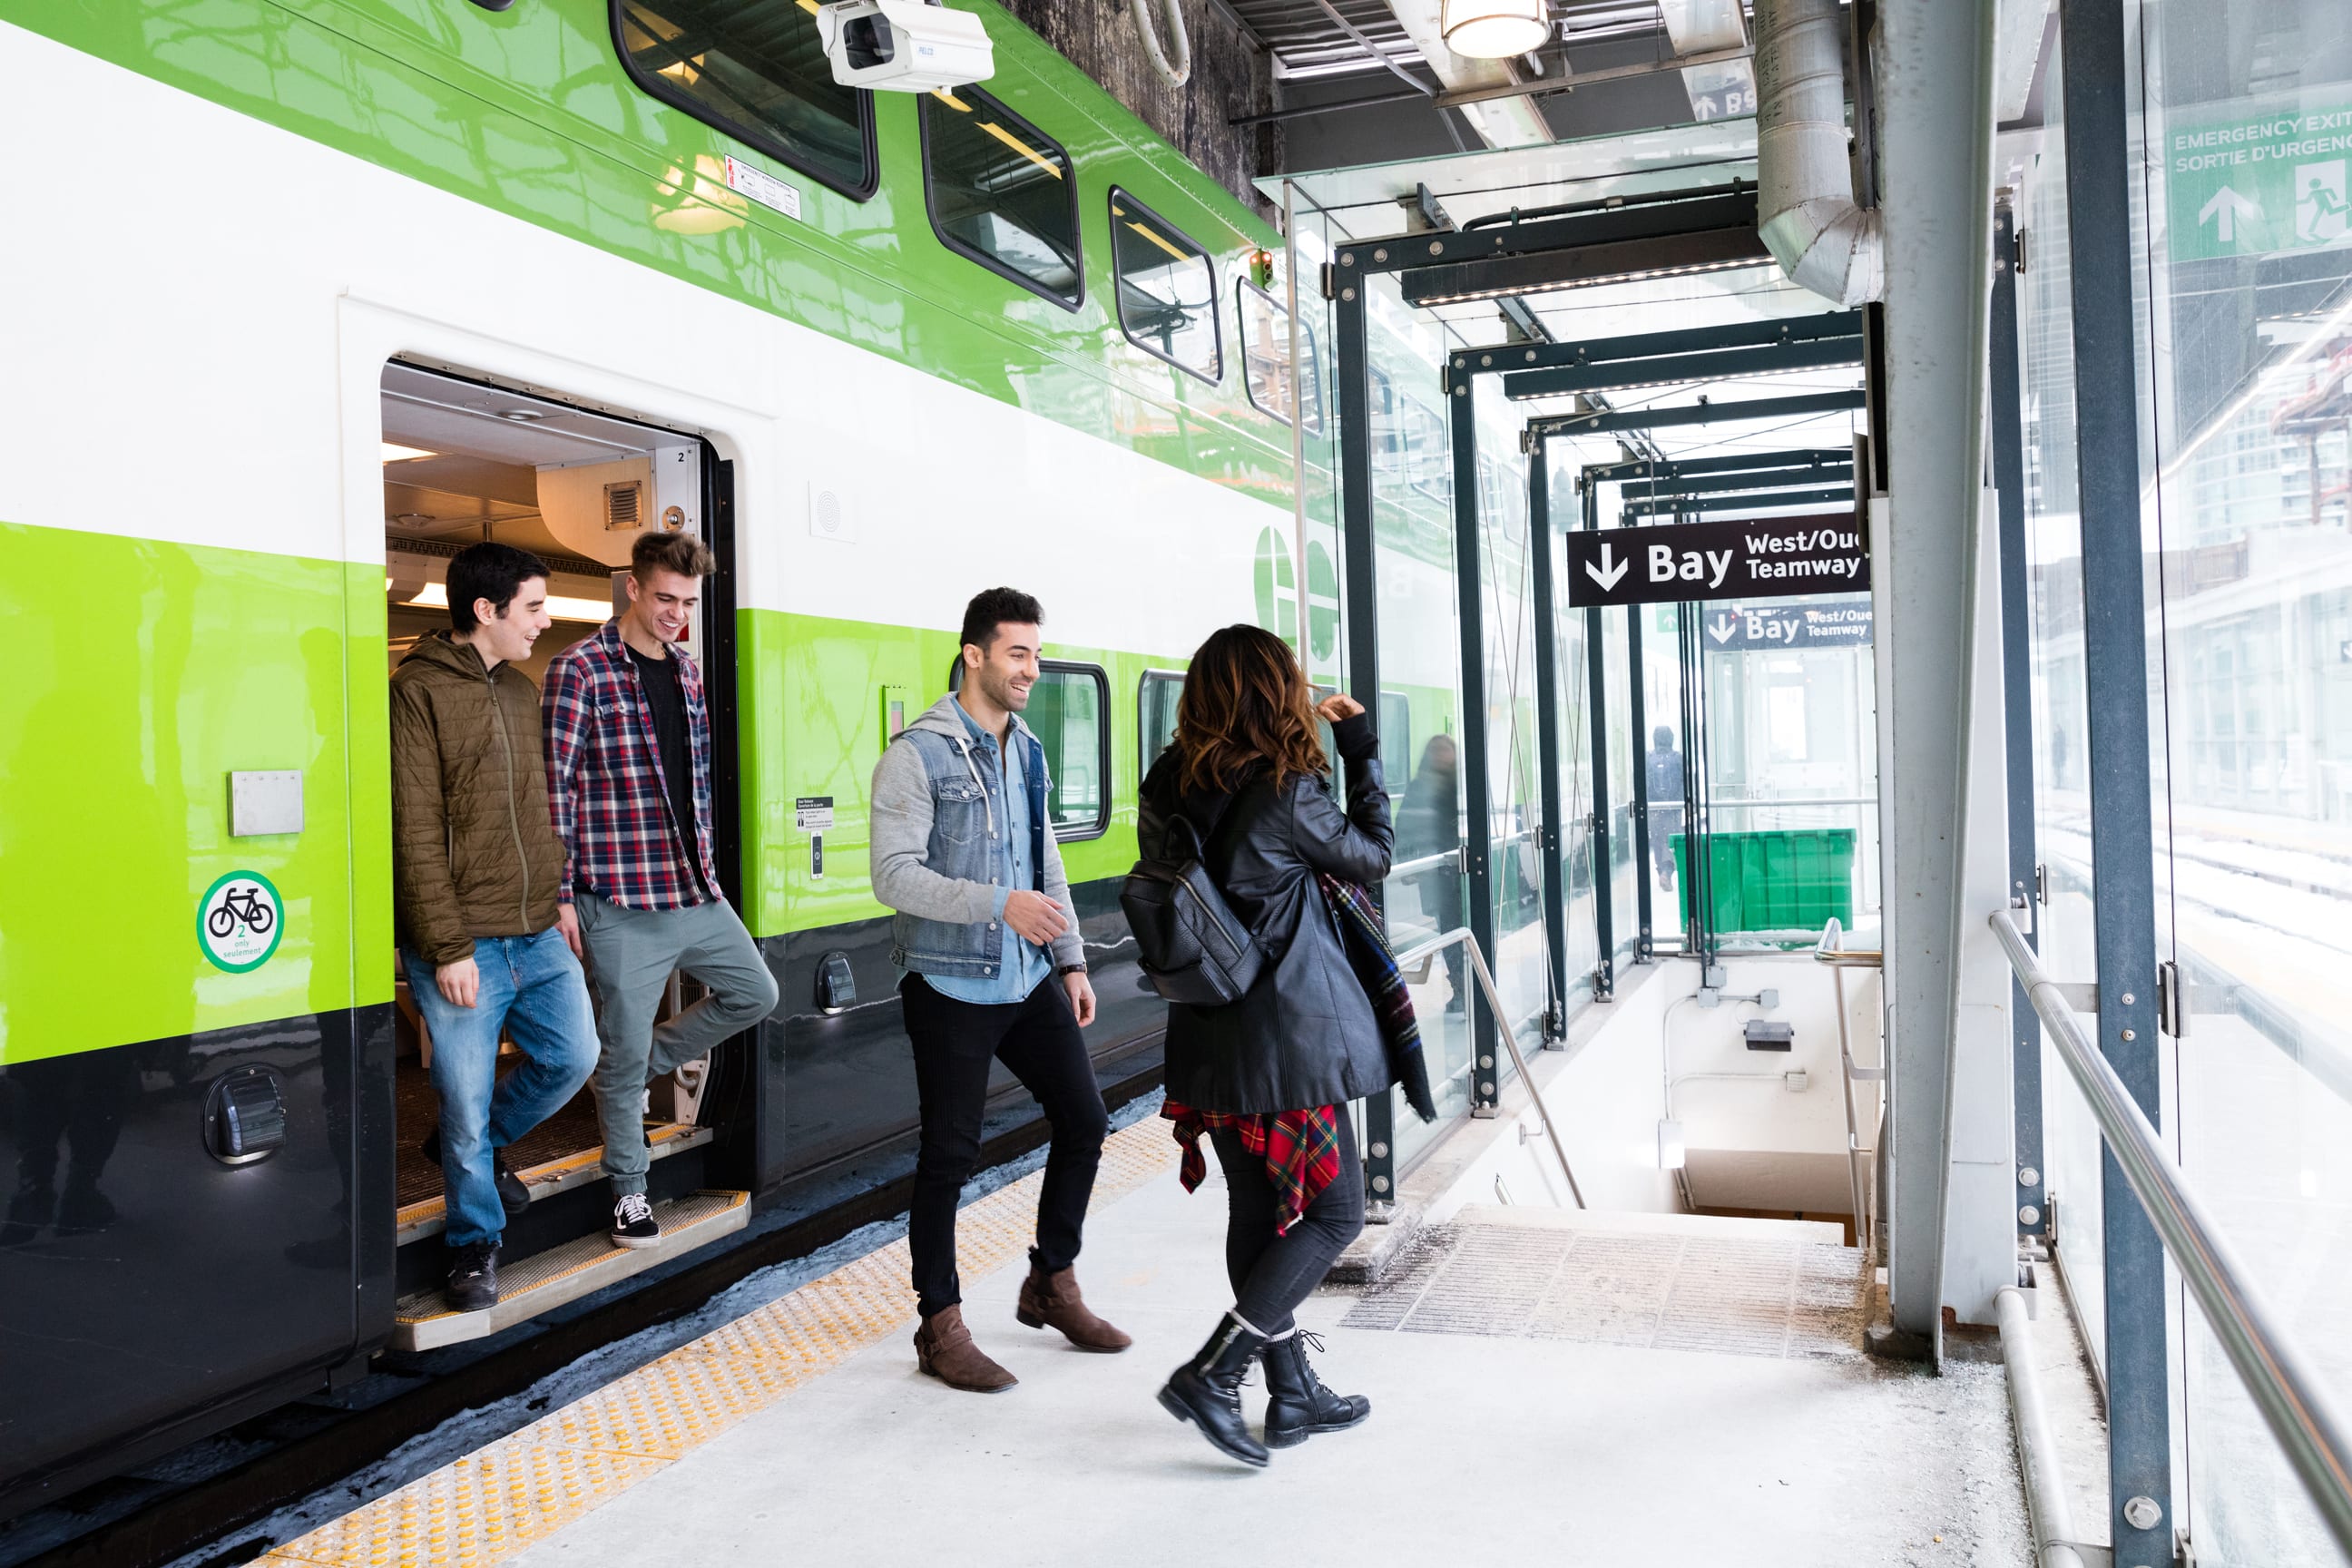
column 1480, row 1446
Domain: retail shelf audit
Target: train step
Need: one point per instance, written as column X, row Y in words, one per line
column 426, row 1215
column 530, row 1286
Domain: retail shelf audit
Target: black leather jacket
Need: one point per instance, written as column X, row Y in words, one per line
column 1305, row 1035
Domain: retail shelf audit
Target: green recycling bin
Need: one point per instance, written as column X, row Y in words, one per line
column 1790, row 880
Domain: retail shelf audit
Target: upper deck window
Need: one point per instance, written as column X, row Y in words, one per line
column 1265, row 358
column 1167, row 290
column 1001, row 192
column 754, row 69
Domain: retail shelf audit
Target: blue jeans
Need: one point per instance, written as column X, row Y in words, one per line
column 533, row 986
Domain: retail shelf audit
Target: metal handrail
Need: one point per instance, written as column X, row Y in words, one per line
column 1438, row 943
column 1428, row 863
column 1831, row 951
column 2273, row 1371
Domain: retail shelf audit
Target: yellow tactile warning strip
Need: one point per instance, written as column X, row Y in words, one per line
column 526, row 1486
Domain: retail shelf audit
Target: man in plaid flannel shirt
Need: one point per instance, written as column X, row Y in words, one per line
column 628, row 775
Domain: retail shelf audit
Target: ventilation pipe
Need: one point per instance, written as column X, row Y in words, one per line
column 1174, row 63
column 1805, row 206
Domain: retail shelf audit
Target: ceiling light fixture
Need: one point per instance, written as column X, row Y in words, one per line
column 521, row 416
column 1495, row 29
column 393, row 452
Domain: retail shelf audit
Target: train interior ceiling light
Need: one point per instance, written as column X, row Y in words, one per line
column 1495, row 29
column 904, row 46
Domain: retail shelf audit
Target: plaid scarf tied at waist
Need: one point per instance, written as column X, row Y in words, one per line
column 1300, row 1148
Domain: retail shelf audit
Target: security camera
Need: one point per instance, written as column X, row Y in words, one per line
column 904, row 46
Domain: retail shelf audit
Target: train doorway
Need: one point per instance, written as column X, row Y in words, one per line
column 464, row 462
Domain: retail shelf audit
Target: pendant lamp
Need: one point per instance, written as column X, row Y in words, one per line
column 1495, row 29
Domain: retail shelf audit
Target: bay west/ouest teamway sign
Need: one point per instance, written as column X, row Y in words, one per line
column 1767, row 558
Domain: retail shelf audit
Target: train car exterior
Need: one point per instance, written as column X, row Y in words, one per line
column 239, row 219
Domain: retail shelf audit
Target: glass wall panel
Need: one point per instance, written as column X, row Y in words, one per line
column 1617, row 675
column 2246, row 235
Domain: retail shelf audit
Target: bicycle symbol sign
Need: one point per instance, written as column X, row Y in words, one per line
column 239, row 922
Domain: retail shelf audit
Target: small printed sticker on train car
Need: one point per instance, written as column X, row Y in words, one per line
column 239, row 922
column 763, row 187
column 813, row 813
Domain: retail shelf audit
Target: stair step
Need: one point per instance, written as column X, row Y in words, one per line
column 1728, row 1226
column 427, row 1216
column 530, row 1286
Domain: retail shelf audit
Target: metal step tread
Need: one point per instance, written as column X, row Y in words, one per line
column 426, row 1216
column 530, row 1286
column 1730, row 1228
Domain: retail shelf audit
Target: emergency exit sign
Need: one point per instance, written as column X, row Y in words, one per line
column 1769, row 558
column 2259, row 176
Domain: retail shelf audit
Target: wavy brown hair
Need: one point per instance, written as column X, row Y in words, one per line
column 1245, row 704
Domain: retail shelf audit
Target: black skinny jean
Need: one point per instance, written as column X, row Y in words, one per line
column 1272, row 1274
column 954, row 1043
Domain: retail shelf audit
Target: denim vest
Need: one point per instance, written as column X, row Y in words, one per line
column 967, row 806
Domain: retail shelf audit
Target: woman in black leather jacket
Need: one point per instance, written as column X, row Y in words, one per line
column 1268, row 1078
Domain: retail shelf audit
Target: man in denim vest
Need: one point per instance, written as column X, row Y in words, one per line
column 987, row 938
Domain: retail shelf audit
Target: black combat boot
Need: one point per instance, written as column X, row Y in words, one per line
column 1207, row 1391
column 1300, row 1406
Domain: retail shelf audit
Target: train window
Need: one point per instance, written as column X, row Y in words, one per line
column 757, row 72
column 1069, row 708
column 1001, row 192
column 1167, row 290
column 1265, row 357
column 1155, row 711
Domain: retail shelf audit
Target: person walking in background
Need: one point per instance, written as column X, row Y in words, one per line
column 1268, row 1078
column 477, row 874
column 1665, row 788
column 1429, row 822
column 628, row 754
column 995, row 970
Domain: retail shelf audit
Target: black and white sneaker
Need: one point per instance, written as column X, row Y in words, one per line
column 474, row 1277
column 633, row 1222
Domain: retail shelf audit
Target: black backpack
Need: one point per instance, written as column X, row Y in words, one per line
column 1191, row 946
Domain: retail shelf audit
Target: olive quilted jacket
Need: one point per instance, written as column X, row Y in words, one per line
column 474, row 851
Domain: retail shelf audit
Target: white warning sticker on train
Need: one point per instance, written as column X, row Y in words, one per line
column 763, row 187
column 239, row 922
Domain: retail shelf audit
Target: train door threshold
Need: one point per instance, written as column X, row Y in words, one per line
column 426, row 1216
column 425, row 1320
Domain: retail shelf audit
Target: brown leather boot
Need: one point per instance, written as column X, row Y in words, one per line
column 1052, row 1298
column 943, row 1348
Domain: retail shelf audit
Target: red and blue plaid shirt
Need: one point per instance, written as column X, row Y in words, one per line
column 605, row 783
column 1300, row 1148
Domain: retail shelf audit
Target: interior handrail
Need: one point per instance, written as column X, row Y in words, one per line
column 1830, row 950
column 2274, row 1372
column 1428, row 863
column 1439, row 944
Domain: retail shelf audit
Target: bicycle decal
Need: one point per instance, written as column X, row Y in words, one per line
column 239, row 922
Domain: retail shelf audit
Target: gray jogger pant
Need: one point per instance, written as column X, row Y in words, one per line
column 631, row 954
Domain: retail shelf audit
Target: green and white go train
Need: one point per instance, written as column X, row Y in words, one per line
column 302, row 296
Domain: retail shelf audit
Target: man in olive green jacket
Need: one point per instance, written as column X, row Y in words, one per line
column 475, row 870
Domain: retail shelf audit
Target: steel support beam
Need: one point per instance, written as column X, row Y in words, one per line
column 2017, row 707
column 1596, row 688
column 1352, row 368
column 2099, row 169
column 1834, row 326
column 1646, row 506
column 1600, row 223
column 1643, row 469
column 1935, row 135
column 1700, row 414
column 1477, row 783
column 1841, row 473
column 1671, row 370
column 1548, row 747
column 1583, row 266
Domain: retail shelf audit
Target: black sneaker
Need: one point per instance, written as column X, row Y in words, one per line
column 633, row 1222
column 474, row 1277
column 514, row 1196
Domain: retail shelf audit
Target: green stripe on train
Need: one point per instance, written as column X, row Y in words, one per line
column 144, row 674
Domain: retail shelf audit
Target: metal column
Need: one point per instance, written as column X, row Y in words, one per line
column 2017, row 680
column 1555, row 883
column 1637, row 729
column 1478, row 843
column 1362, row 577
column 1596, row 685
column 2099, row 163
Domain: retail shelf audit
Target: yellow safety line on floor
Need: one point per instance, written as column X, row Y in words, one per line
column 523, row 1488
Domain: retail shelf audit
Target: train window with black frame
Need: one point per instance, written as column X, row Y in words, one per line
column 1069, row 708
column 1155, row 711
column 1265, row 357
column 757, row 70
column 1167, row 290
column 1002, row 192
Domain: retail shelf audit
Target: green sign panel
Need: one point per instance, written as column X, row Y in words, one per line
column 2260, row 176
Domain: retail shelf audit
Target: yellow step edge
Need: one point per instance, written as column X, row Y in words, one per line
column 426, row 1216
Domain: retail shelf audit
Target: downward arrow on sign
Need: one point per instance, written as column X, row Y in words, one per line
column 1610, row 573
column 1724, row 629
